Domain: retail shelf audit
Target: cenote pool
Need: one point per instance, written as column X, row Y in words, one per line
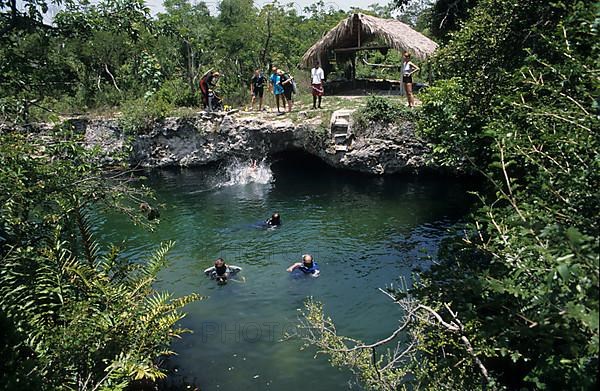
column 365, row 232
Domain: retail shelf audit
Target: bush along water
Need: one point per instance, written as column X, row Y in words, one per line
column 380, row 110
column 513, row 304
column 74, row 314
column 523, row 114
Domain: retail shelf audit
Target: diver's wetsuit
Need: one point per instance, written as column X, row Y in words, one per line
column 273, row 222
column 310, row 270
column 221, row 270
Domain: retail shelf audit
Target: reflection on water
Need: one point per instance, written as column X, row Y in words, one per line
column 364, row 232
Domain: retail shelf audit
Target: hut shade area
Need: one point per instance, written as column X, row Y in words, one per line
column 356, row 32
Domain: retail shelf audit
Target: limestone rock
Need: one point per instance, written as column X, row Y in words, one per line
column 210, row 137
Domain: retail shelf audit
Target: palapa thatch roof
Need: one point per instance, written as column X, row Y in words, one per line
column 359, row 29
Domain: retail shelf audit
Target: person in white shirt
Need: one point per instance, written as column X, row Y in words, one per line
column 317, row 76
column 408, row 68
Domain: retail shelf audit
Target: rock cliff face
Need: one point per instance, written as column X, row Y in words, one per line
column 209, row 138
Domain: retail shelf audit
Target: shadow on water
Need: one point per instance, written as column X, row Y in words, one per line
column 365, row 232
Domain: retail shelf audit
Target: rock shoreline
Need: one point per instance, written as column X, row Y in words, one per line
column 207, row 138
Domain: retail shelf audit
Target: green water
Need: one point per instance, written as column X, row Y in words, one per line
column 364, row 232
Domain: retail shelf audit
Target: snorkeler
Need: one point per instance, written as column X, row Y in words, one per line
column 150, row 212
column 307, row 266
column 221, row 271
column 274, row 220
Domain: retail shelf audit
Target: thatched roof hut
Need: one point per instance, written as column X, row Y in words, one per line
column 352, row 34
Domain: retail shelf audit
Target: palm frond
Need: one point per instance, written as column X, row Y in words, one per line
column 158, row 260
column 90, row 246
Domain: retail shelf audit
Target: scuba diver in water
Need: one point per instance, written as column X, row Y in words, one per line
column 307, row 266
column 221, row 271
column 274, row 220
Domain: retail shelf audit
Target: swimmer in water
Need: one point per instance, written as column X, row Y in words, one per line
column 307, row 266
column 150, row 212
column 274, row 220
column 221, row 273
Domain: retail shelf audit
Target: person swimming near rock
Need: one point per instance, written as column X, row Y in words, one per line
column 221, row 271
column 274, row 220
column 150, row 212
column 307, row 266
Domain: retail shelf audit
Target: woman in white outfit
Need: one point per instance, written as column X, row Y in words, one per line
column 408, row 68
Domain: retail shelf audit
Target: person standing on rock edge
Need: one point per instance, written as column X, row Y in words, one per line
column 317, row 77
column 257, row 87
column 277, row 89
column 207, row 82
column 408, row 68
column 288, row 88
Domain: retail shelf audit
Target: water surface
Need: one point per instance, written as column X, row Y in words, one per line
column 365, row 232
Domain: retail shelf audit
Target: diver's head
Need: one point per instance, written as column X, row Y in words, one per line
column 275, row 218
column 145, row 207
column 307, row 260
column 219, row 262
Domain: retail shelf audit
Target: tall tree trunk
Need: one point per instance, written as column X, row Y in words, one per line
column 189, row 54
column 263, row 55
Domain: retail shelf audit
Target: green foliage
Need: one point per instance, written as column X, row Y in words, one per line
column 403, row 360
column 370, row 367
column 176, row 93
column 443, row 108
column 381, row 110
column 522, row 113
column 74, row 316
column 517, row 103
column 108, row 53
column 140, row 115
column 447, row 16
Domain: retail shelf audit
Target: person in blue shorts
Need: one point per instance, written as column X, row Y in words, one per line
column 307, row 266
column 277, row 89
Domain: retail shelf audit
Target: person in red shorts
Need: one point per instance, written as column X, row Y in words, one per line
column 317, row 77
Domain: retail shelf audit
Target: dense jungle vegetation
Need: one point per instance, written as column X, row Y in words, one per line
column 513, row 304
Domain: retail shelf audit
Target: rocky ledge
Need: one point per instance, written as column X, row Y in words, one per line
column 207, row 138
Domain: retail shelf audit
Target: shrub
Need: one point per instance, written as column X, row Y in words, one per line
column 448, row 124
column 74, row 316
column 381, row 110
column 177, row 93
column 139, row 115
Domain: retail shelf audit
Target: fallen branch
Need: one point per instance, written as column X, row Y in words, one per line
column 112, row 77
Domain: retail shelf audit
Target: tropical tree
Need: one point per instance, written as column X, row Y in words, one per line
column 190, row 25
